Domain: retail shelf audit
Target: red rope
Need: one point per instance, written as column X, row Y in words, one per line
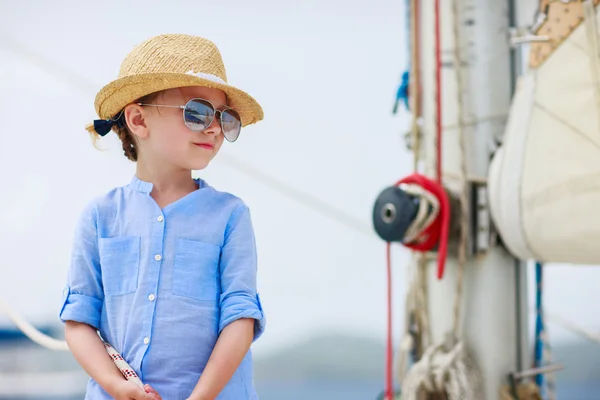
column 389, row 391
column 438, row 100
column 437, row 232
column 418, row 55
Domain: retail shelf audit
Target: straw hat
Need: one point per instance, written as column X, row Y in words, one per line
column 171, row 61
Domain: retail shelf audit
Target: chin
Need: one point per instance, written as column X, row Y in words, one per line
column 198, row 164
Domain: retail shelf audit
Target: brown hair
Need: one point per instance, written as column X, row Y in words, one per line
column 120, row 128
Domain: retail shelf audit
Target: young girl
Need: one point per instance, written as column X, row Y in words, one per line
column 164, row 268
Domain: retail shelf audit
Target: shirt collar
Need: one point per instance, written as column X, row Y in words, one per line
column 140, row 185
column 146, row 187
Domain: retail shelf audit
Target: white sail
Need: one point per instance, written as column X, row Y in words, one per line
column 544, row 183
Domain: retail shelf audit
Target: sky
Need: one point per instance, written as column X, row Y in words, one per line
column 326, row 74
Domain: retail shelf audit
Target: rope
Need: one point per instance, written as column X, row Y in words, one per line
column 591, row 336
column 428, row 212
column 389, row 389
column 441, row 371
column 462, row 247
column 415, row 86
column 525, row 391
column 422, row 234
column 422, row 305
column 125, row 368
column 86, row 86
column 425, row 231
column 31, row 332
column 408, row 340
column 447, row 368
column 548, row 359
column 60, row 345
column 415, row 297
column 542, row 351
column 309, row 201
column 437, row 231
column 539, row 379
column 430, row 227
column 438, row 92
column 417, row 333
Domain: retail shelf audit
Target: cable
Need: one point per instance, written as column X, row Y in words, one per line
column 389, row 389
column 31, row 332
column 438, row 92
column 85, row 86
column 305, row 199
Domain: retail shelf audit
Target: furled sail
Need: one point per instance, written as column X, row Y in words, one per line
column 544, row 181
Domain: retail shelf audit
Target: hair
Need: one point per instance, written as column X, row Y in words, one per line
column 130, row 147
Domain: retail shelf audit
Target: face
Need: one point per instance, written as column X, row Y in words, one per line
column 162, row 136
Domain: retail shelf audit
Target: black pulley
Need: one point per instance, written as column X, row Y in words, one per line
column 393, row 213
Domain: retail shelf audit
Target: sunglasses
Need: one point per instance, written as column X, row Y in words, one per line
column 198, row 115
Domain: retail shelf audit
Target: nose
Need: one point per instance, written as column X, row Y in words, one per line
column 215, row 127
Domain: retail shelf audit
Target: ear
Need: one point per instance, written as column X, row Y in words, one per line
column 136, row 120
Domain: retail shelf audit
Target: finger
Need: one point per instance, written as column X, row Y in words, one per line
column 150, row 389
column 137, row 393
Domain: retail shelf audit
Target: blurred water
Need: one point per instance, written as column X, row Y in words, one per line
column 25, row 358
column 348, row 390
column 317, row 390
column 353, row 390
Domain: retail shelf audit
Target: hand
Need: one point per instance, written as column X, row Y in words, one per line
column 125, row 390
column 149, row 389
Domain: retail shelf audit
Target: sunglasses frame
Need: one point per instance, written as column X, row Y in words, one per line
column 215, row 112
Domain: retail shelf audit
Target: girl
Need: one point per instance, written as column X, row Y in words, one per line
column 164, row 268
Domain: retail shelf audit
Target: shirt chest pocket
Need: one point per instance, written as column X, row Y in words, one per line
column 120, row 263
column 195, row 270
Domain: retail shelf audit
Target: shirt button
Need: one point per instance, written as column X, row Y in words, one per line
column 160, row 218
column 151, row 297
column 146, row 340
column 158, row 257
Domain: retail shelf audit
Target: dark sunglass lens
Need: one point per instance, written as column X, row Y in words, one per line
column 231, row 125
column 198, row 115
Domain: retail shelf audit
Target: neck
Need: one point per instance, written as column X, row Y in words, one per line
column 165, row 179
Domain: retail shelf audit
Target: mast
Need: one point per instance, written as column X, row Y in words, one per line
column 493, row 310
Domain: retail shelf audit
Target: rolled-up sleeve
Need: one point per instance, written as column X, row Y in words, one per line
column 238, row 266
column 83, row 294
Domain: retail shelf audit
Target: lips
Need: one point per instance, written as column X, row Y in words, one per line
column 207, row 146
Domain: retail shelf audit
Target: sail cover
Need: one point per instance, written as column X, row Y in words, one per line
column 544, row 181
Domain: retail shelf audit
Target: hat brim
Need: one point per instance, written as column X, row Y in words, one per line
column 113, row 97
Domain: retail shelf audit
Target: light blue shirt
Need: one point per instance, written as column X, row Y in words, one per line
column 160, row 285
